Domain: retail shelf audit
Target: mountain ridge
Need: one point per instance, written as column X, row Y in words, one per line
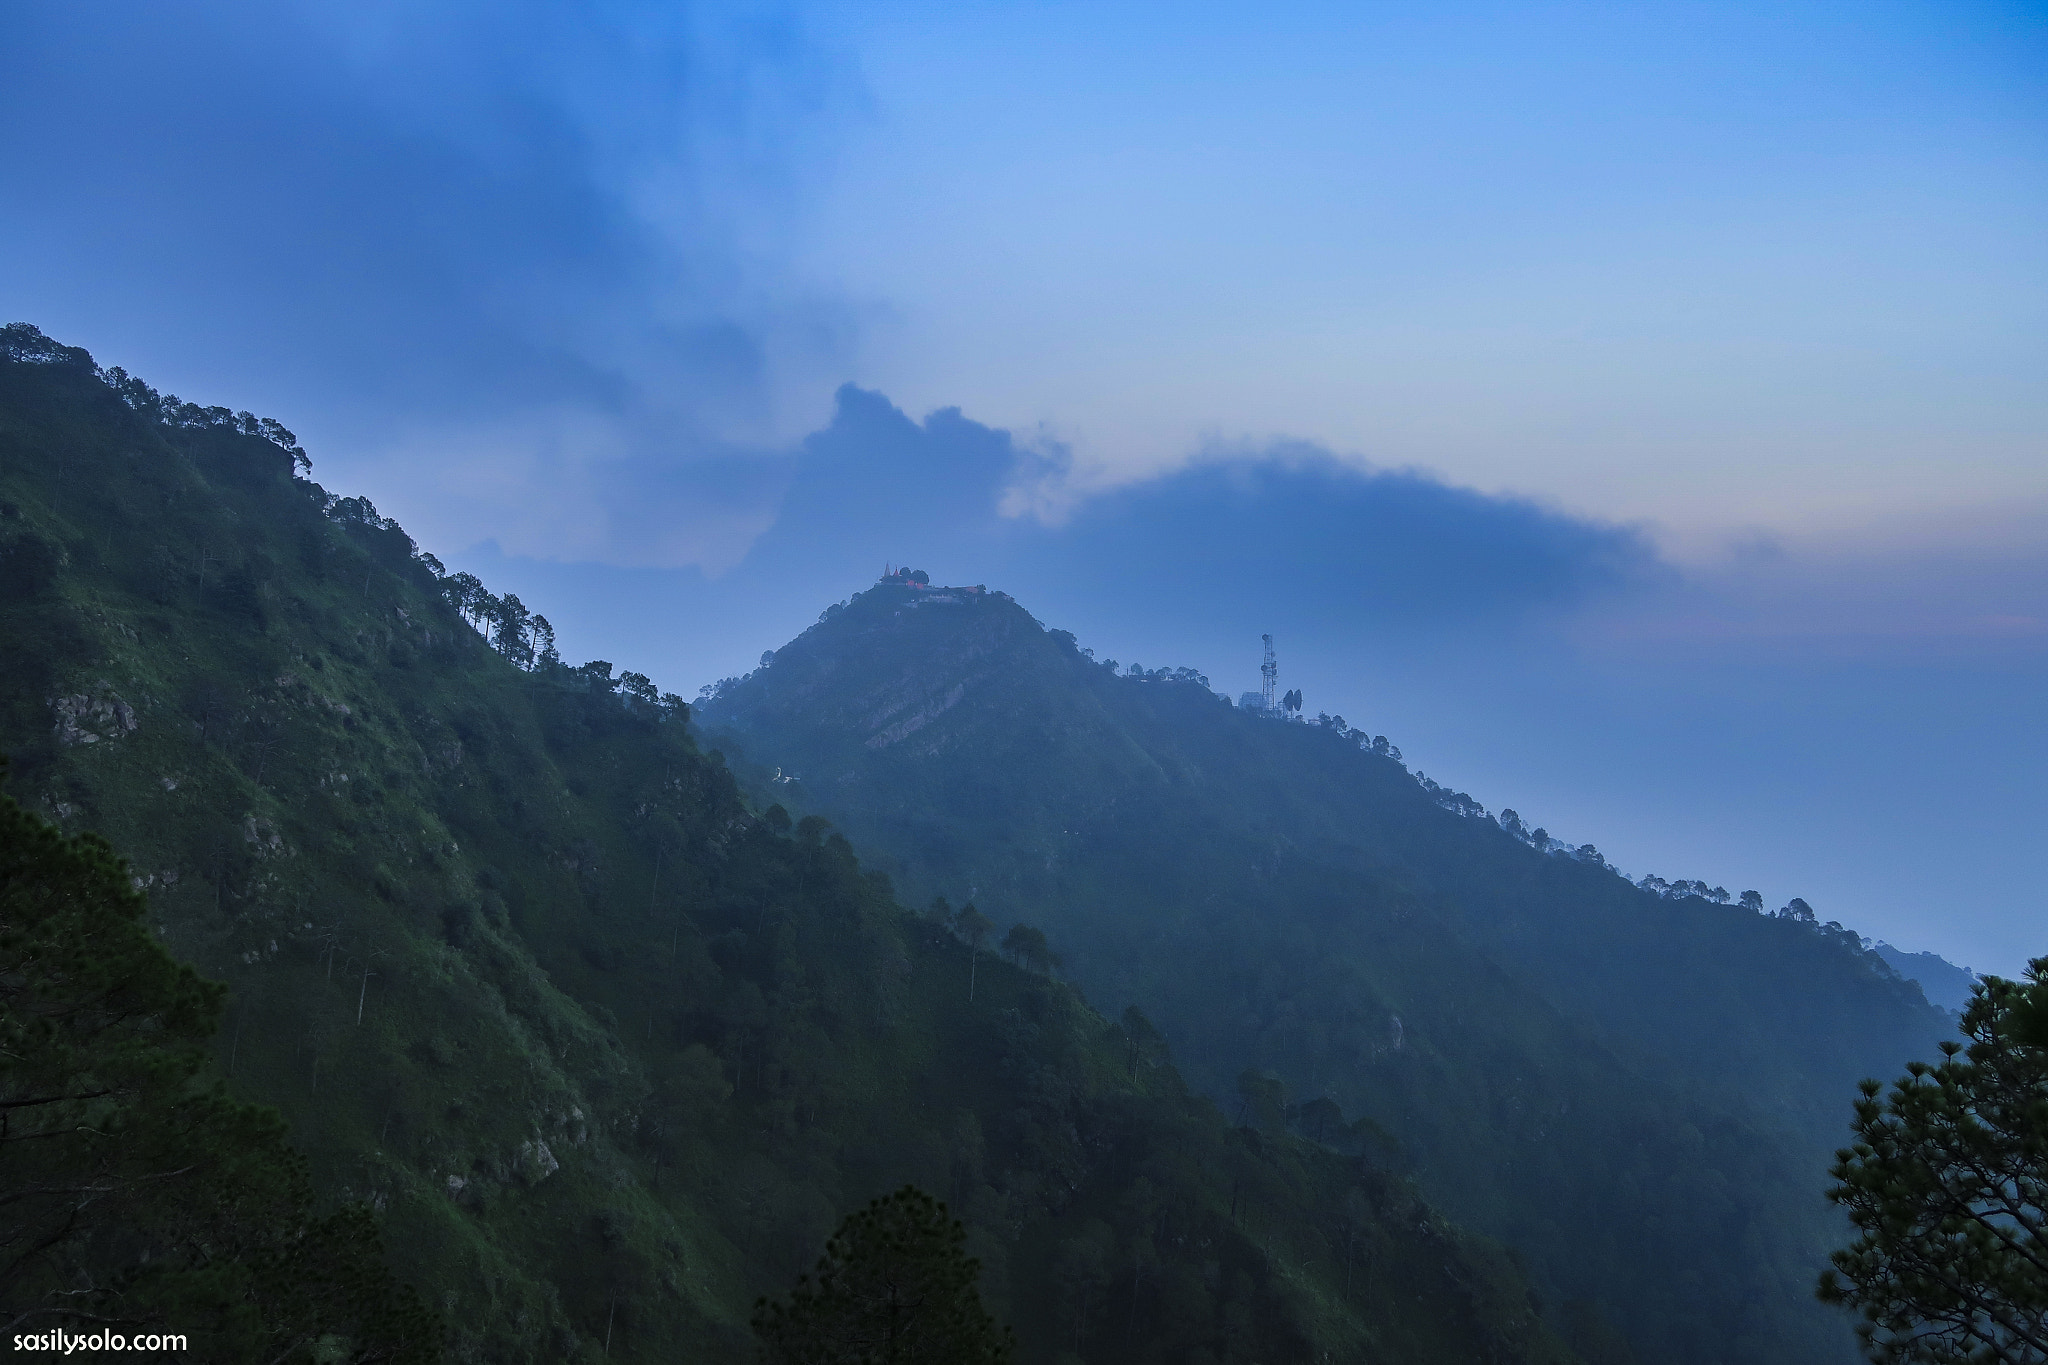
column 602, row 1045
column 1300, row 887
column 1943, row 983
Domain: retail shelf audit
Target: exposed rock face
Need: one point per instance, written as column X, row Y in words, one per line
column 88, row 719
column 262, row 838
column 918, row 719
column 535, row 1162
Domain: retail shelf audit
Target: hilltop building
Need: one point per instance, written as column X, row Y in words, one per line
column 917, row 580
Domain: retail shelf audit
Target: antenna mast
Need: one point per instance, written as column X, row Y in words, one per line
column 1270, row 671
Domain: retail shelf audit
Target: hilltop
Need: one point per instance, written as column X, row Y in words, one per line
column 1635, row 1091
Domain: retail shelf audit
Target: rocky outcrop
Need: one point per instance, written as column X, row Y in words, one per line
column 534, row 1162
column 88, row 718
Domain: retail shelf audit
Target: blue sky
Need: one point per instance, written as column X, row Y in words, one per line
column 1634, row 411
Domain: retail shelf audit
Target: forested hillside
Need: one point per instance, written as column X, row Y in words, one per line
column 1639, row 1092
column 607, row 1049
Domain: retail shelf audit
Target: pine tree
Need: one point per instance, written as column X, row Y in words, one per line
column 895, row 1287
column 134, row 1193
column 1947, row 1184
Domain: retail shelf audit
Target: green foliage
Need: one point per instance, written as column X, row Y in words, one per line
column 605, row 1053
column 972, row 925
column 1028, row 948
column 136, row 1195
column 894, row 1287
column 1947, row 1184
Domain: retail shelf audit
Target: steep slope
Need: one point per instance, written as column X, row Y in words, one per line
column 608, row 1051
column 1636, row 1092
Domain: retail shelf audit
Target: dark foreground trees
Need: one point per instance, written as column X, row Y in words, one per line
column 135, row 1196
column 895, row 1287
column 1947, row 1184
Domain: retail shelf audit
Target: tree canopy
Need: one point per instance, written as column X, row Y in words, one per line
column 1947, row 1184
column 136, row 1195
column 895, row 1287
column 1027, row 947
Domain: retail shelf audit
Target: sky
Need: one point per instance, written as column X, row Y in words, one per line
column 1635, row 412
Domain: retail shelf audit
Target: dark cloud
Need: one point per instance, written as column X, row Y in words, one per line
column 1291, row 532
column 1188, row 566
column 445, row 222
column 1296, row 532
column 876, row 486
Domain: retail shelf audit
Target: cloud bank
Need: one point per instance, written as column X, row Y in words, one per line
column 1291, row 530
column 1292, row 536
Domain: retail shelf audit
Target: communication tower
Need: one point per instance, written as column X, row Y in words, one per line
column 1270, row 671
